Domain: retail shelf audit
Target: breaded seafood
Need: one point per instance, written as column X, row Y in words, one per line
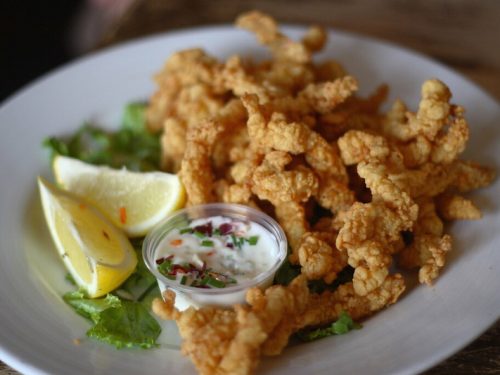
column 352, row 186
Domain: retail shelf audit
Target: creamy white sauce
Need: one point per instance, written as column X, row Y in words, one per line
column 229, row 256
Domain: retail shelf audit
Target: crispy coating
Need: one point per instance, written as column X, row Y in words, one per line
column 325, row 307
column 270, row 180
column 229, row 341
column 471, row 176
column 266, row 30
column 196, row 171
column 429, row 246
column 370, row 235
column 349, row 183
column 319, row 258
column 457, row 207
column 292, row 217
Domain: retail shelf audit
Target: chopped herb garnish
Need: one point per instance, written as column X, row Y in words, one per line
column 341, row 326
column 207, row 243
column 236, row 241
column 183, row 280
column 253, row 240
column 199, row 234
column 165, row 267
column 215, row 283
column 185, row 230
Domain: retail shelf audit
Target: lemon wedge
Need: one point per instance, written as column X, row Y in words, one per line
column 98, row 255
column 133, row 201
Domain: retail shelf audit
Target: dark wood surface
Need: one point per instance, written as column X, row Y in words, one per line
column 463, row 34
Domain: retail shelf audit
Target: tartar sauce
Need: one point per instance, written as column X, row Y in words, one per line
column 216, row 252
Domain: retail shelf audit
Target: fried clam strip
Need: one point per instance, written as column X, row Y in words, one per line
column 465, row 176
column 371, row 231
column 230, row 341
column 292, row 217
column 286, row 190
column 198, row 162
column 354, row 113
column 456, row 207
column 184, row 69
column 188, row 93
column 273, row 183
column 370, row 235
column 326, row 307
column 319, row 257
column 196, row 169
column 274, row 132
column 429, row 246
column 267, row 32
column 437, row 133
column 291, row 68
column 471, row 176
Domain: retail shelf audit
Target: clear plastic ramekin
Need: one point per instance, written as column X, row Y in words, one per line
column 224, row 297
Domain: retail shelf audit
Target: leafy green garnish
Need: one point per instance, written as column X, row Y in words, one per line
column 133, row 117
column 141, row 282
column 341, row 326
column 286, row 273
column 90, row 308
column 116, row 321
column 122, row 318
column 129, row 325
column 319, row 286
column 132, row 146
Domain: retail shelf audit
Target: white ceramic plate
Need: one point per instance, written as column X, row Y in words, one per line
column 36, row 327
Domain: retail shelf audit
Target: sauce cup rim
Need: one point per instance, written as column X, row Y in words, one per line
column 232, row 210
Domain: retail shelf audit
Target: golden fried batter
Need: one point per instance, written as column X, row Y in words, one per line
column 349, row 184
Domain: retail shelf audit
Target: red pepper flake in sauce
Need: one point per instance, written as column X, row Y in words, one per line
column 123, row 215
column 82, row 206
column 176, row 242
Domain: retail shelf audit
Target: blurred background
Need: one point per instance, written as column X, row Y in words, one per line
column 39, row 36
column 36, row 37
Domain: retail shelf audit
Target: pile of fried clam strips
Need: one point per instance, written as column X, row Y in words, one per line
column 357, row 191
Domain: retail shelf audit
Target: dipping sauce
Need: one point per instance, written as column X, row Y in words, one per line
column 216, row 252
column 210, row 255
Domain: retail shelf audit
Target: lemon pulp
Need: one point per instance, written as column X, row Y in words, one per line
column 96, row 253
column 134, row 201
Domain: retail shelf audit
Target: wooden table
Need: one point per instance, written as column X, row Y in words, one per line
column 463, row 34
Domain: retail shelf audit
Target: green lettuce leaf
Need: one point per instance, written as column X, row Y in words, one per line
column 127, row 326
column 90, row 308
column 132, row 146
column 141, row 286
